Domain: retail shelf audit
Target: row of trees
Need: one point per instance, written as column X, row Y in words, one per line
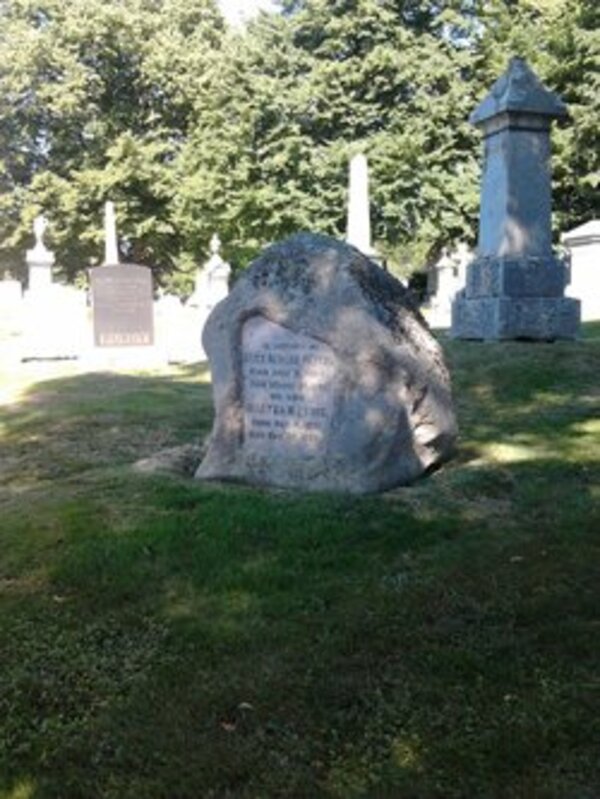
column 191, row 127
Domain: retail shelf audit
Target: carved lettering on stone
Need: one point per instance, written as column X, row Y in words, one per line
column 288, row 390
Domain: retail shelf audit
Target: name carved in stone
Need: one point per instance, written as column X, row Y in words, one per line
column 288, row 390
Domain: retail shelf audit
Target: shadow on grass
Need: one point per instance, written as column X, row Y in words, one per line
column 70, row 425
column 164, row 638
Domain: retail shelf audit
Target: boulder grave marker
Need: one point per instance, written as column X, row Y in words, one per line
column 325, row 376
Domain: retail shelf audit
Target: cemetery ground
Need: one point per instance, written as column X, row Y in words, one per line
column 165, row 638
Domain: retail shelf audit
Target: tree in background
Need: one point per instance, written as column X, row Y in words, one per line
column 192, row 128
column 96, row 98
column 245, row 170
column 561, row 41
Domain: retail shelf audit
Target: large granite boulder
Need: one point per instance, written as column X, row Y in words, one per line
column 325, row 376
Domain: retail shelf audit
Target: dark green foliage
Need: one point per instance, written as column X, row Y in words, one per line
column 191, row 128
column 95, row 102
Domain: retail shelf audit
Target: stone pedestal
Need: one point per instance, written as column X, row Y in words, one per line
column 212, row 281
column 515, row 286
column 53, row 315
column 583, row 244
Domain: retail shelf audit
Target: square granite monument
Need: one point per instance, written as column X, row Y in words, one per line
column 515, row 286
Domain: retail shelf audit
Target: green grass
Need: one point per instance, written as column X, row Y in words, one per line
column 165, row 638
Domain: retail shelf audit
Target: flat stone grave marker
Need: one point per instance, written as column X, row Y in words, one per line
column 122, row 306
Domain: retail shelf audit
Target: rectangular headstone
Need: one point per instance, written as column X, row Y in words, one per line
column 123, row 306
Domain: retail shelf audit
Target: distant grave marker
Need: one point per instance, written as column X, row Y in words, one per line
column 515, row 285
column 40, row 259
column 583, row 244
column 358, row 225
column 123, row 306
column 53, row 315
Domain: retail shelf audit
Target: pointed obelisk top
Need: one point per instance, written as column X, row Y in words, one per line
column 518, row 90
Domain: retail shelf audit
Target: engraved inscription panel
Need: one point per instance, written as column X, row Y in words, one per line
column 288, row 390
column 123, row 306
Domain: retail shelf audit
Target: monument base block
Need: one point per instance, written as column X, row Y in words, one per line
column 523, row 276
column 532, row 318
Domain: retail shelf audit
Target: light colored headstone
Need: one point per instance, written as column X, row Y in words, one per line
column 53, row 318
column 176, row 328
column 54, row 323
column 11, row 320
column 515, row 286
column 39, row 260
column 583, row 244
column 325, row 376
column 210, row 288
column 447, row 278
column 111, row 242
column 212, row 281
column 358, row 232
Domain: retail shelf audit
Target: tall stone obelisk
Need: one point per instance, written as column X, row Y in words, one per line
column 515, row 286
column 111, row 245
column 358, row 231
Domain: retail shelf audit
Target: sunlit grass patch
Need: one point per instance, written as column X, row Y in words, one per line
column 164, row 637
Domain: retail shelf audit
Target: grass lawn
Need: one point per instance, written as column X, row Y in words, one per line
column 165, row 638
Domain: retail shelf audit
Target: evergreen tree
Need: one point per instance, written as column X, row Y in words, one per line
column 96, row 97
column 192, row 128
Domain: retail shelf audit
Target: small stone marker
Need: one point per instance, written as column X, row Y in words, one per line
column 122, row 306
column 40, row 259
column 515, row 285
column 53, row 315
column 583, row 244
column 325, row 376
column 212, row 280
column 447, row 277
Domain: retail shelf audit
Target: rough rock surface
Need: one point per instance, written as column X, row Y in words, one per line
column 183, row 460
column 325, row 376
